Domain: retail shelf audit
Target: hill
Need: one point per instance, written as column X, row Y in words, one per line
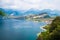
column 52, row 31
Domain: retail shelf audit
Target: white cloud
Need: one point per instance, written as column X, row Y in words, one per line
column 27, row 4
column 33, row 1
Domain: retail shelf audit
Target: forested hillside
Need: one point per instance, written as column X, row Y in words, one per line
column 52, row 31
column 2, row 13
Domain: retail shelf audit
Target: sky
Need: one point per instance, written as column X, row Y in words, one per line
column 28, row 4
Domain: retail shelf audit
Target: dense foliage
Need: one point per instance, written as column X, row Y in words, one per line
column 52, row 31
column 2, row 13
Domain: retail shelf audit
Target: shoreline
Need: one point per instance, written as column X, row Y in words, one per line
column 43, row 28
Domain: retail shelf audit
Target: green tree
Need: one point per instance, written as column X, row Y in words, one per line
column 2, row 13
column 52, row 31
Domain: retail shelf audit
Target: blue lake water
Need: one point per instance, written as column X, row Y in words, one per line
column 12, row 29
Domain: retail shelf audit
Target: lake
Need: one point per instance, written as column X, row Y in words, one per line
column 14, row 29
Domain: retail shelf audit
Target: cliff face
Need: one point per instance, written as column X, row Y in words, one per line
column 52, row 31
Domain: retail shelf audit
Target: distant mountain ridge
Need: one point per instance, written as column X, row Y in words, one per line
column 30, row 11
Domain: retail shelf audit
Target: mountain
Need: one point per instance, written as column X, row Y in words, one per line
column 32, row 11
column 51, row 13
column 12, row 12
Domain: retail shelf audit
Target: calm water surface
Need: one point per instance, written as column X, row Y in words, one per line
column 12, row 29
